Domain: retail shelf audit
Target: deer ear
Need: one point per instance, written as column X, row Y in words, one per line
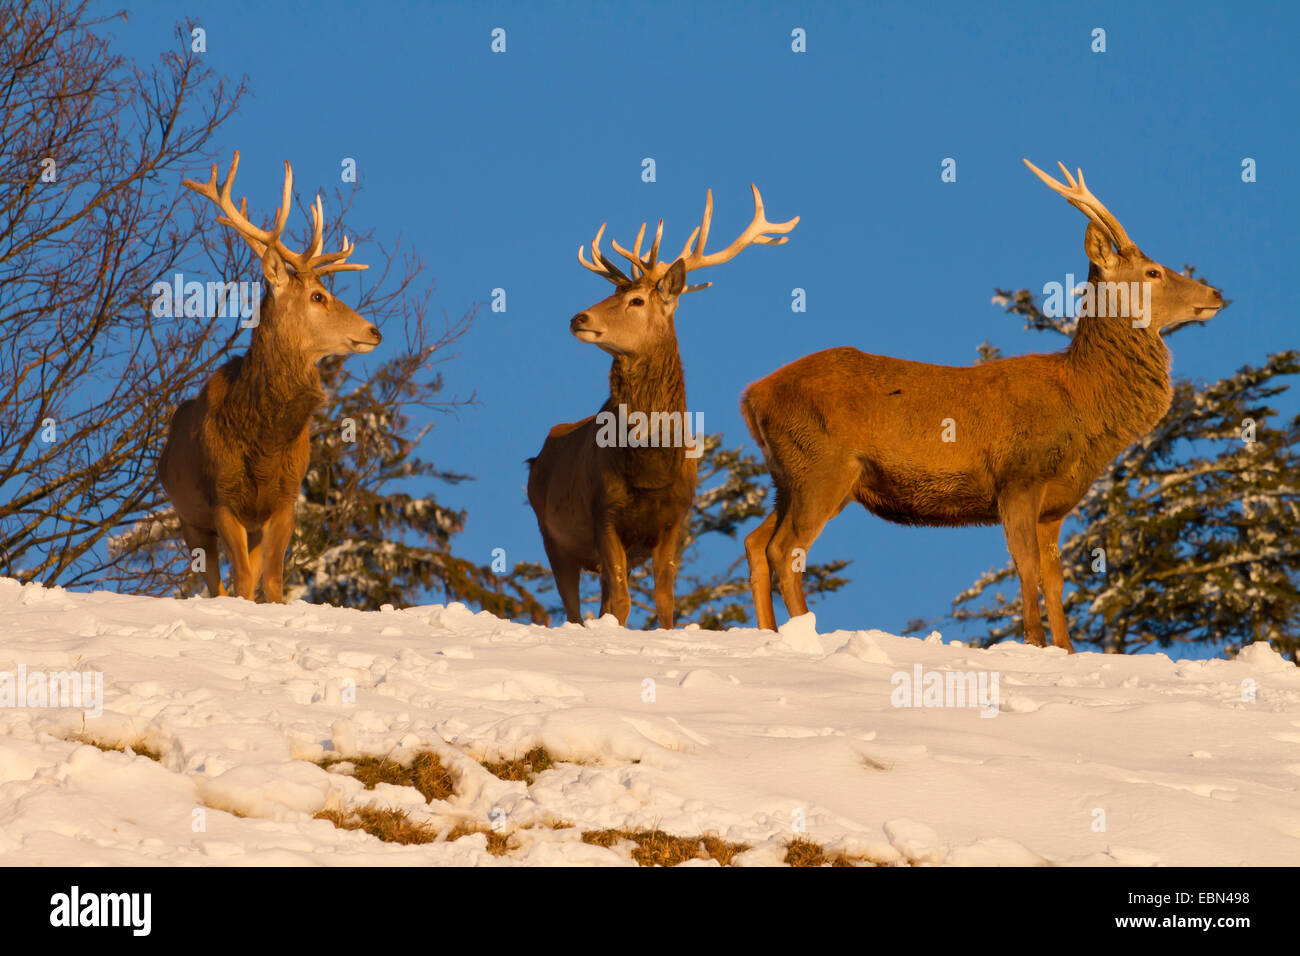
column 1099, row 249
column 273, row 267
column 674, row 280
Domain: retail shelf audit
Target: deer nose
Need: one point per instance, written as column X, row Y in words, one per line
column 578, row 321
column 1218, row 294
column 374, row 330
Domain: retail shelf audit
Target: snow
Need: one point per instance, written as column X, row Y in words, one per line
column 1088, row 760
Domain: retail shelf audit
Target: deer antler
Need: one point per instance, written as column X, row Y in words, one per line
column 753, row 235
column 642, row 266
column 259, row 239
column 602, row 266
column 693, row 251
column 1082, row 199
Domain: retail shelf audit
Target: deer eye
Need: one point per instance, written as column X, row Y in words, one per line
column 318, row 296
column 1153, row 273
column 637, row 300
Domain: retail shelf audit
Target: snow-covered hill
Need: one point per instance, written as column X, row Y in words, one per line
column 755, row 737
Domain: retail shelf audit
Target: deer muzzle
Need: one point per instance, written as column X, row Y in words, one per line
column 581, row 327
column 362, row 346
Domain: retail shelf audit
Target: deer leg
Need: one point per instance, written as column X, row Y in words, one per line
column 1020, row 522
column 1049, row 561
column 255, row 557
column 206, row 541
column 275, row 536
column 760, row 572
column 235, row 537
column 791, row 541
column 788, row 547
column 613, row 571
column 665, row 570
column 568, row 577
column 804, row 512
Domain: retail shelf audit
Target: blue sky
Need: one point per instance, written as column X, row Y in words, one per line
column 496, row 167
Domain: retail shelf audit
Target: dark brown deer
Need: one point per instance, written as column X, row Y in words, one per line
column 606, row 506
column 1016, row 441
column 236, row 455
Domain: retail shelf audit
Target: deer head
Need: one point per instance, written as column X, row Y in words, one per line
column 303, row 315
column 1116, row 259
column 638, row 317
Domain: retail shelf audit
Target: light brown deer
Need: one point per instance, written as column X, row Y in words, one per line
column 605, row 507
column 236, row 455
column 1015, row 441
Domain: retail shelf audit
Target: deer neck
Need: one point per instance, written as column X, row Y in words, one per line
column 1123, row 372
column 650, row 382
column 277, row 392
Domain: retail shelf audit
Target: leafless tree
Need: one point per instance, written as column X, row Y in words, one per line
column 92, row 147
column 92, row 151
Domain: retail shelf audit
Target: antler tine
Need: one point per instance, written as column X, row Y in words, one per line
column 646, row 265
column 702, row 230
column 634, row 257
column 286, row 204
column 1082, row 199
column 258, row 247
column 606, row 269
column 211, row 188
column 754, row 234
column 317, row 229
column 636, row 249
column 325, row 263
column 690, row 241
column 616, row 275
column 333, row 261
column 281, row 214
column 654, row 249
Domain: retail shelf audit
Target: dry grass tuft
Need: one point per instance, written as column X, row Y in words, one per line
column 657, row 848
column 426, row 773
column 139, row 748
column 525, row 768
column 395, row 826
column 802, row 852
column 389, row 825
column 498, row 843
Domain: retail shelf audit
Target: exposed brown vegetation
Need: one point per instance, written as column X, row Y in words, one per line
column 1014, row 441
column 657, row 848
column 425, row 773
column 236, row 455
column 387, row 824
column 393, row 825
column 525, row 768
column 141, row 749
column 498, row 841
column 652, row 847
column 606, row 508
column 804, row 852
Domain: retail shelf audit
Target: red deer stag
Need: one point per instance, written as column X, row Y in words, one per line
column 1016, row 441
column 605, row 505
column 236, row 455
